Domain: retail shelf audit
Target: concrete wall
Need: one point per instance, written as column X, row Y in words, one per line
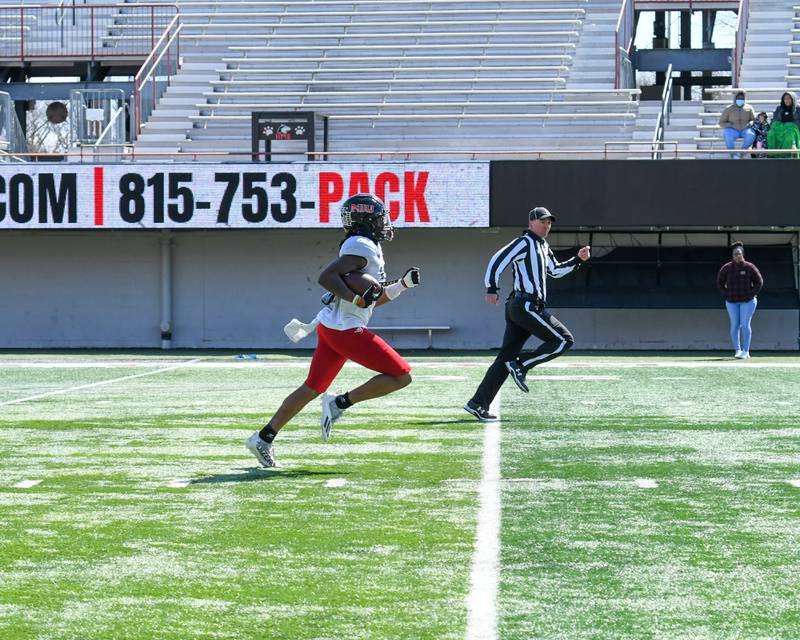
column 237, row 289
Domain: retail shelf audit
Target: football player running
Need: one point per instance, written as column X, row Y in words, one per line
column 341, row 327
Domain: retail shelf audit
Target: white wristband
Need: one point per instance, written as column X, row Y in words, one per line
column 393, row 290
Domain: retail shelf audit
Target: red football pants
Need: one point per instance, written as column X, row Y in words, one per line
column 334, row 348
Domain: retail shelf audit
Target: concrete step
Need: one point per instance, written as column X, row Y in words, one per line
column 165, row 125
column 147, row 138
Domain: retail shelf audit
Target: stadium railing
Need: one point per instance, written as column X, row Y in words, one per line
column 39, row 32
column 623, row 41
column 663, row 116
column 107, row 153
column 154, row 76
column 740, row 38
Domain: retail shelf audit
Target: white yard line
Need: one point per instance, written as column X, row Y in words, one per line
column 98, row 384
column 27, row 484
column 646, row 483
column 179, row 483
column 485, row 574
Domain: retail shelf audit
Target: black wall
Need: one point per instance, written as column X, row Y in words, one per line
column 644, row 193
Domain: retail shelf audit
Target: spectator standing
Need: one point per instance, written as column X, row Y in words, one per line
column 740, row 282
column 784, row 133
column 736, row 122
column 761, row 128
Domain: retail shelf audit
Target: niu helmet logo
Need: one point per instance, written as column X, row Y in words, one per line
column 362, row 208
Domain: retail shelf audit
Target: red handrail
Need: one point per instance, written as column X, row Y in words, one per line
column 84, row 37
column 147, row 73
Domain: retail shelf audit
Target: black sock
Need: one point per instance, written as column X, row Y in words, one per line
column 267, row 434
column 343, row 401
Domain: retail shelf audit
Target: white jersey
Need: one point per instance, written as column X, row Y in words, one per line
column 342, row 314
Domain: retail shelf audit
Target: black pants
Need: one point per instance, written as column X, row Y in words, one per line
column 523, row 321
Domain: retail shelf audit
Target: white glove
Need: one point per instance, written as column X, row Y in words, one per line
column 296, row 330
column 411, row 278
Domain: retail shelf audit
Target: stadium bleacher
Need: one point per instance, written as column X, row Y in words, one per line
column 473, row 75
column 766, row 72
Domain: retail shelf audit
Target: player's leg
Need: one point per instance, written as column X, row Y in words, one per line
column 747, row 311
column 513, row 340
column 372, row 352
column 325, row 365
column 556, row 338
column 365, row 348
column 734, row 317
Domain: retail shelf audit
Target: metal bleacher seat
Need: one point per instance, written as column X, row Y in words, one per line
column 440, row 74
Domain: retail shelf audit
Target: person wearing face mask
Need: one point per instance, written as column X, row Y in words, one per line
column 739, row 283
column 736, row 122
column 784, row 133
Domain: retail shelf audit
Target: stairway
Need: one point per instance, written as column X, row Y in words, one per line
column 681, row 130
column 593, row 62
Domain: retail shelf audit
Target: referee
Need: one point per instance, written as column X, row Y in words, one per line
column 526, row 314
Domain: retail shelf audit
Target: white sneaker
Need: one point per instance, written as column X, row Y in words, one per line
column 330, row 414
column 739, row 354
column 745, row 354
column 263, row 451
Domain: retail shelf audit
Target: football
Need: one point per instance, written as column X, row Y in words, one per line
column 358, row 282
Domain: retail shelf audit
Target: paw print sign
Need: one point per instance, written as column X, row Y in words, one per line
column 299, row 130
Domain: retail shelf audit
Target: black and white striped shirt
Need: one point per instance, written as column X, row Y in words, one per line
column 533, row 261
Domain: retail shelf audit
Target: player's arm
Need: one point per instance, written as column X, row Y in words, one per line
column 331, row 276
column 411, row 278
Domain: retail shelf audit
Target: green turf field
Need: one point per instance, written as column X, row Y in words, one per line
column 642, row 496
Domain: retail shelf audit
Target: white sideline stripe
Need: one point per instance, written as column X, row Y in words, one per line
column 179, row 483
column 795, row 483
column 485, row 575
column 27, row 484
column 98, row 384
column 336, row 482
column 198, row 363
column 646, row 483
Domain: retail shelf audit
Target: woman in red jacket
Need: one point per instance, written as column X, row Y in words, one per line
column 739, row 282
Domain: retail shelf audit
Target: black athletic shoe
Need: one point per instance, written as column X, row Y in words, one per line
column 518, row 375
column 479, row 412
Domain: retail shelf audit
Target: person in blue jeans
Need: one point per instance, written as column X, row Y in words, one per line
column 740, row 282
column 737, row 122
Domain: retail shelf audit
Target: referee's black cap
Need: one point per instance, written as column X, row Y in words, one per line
column 540, row 213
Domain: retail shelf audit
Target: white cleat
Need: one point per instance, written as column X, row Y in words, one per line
column 739, row 354
column 330, row 414
column 745, row 355
column 263, row 451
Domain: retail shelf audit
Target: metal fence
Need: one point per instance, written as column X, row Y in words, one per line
column 12, row 139
column 90, row 32
column 97, row 120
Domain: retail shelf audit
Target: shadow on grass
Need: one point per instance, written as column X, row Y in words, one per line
column 257, row 474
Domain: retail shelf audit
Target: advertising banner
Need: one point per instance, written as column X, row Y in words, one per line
column 240, row 196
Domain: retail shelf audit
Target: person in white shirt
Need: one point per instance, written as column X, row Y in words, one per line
column 341, row 327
